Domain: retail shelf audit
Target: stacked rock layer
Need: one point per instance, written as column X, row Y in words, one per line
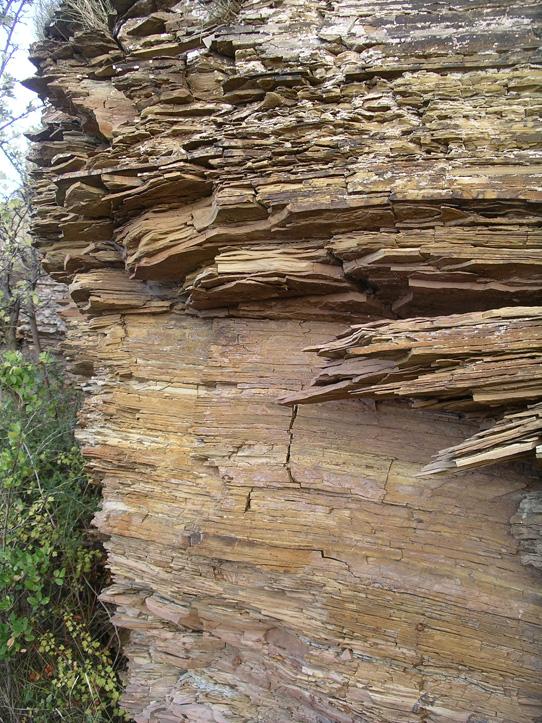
column 224, row 185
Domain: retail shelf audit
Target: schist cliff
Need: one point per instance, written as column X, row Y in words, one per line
column 303, row 240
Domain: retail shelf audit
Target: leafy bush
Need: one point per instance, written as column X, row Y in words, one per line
column 58, row 652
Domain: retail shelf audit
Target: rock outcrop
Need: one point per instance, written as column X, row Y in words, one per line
column 223, row 187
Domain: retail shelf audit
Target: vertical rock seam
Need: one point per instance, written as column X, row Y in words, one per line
column 223, row 185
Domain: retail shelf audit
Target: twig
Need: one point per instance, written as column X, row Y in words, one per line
column 36, row 475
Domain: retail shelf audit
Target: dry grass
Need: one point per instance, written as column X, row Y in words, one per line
column 87, row 14
column 225, row 10
column 96, row 14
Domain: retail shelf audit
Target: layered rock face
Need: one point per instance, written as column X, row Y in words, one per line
column 354, row 178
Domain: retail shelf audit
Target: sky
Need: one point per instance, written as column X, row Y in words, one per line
column 21, row 68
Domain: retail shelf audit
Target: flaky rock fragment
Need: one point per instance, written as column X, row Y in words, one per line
column 516, row 435
column 220, row 193
column 460, row 362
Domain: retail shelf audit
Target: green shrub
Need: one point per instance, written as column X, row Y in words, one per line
column 57, row 660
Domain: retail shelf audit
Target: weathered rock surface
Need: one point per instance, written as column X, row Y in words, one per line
column 220, row 198
column 461, row 362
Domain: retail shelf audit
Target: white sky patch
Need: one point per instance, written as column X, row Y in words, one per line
column 20, row 68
